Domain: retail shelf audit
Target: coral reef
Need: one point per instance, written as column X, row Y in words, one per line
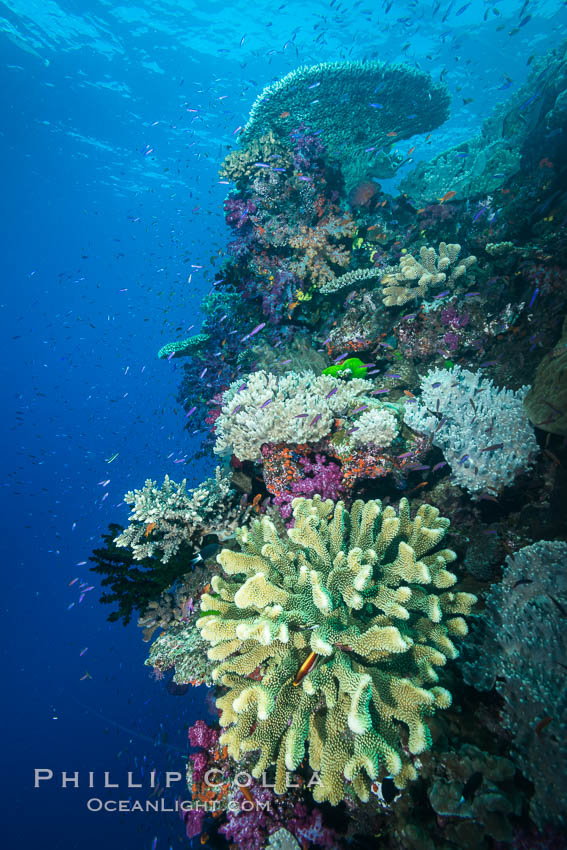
column 519, row 647
column 351, row 592
column 483, row 432
column 430, row 270
column 485, row 162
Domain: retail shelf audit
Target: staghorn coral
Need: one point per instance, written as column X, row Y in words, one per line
column 320, row 253
column 351, row 591
column 165, row 518
column 352, row 278
column 483, row 431
column 242, row 166
column 298, row 407
column 546, row 402
column 431, row 269
column 519, row 646
column 371, row 97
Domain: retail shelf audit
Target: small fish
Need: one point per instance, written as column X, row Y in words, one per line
column 419, row 486
column 113, row 457
column 463, row 459
column 361, row 408
column 149, row 528
column 447, row 196
column 306, row 668
column 522, row 581
column 493, row 448
column 439, row 465
column 258, row 328
column 266, row 403
column 470, row 787
column 285, row 114
column 332, row 392
column 462, row 9
column 315, row 419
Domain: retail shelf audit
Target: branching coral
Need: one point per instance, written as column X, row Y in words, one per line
column 298, row 407
column 164, row 518
column 265, row 152
column 482, row 431
column 354, row 592
column 352, row 278
column 520, row 646
column 135, row 584
column 378, row 426
column 430, row 270
column 320, row 251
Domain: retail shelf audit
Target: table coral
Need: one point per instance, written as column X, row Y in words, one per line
column 357, row 593
column 347, row 98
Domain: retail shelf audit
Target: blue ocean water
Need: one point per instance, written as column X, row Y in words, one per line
column 115, row 121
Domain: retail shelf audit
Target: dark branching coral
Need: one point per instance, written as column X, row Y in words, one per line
column 134, row 584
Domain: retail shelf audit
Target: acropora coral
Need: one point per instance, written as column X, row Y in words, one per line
column 332, row 637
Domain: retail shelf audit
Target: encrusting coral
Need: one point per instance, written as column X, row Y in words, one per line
column 332, row 637
column 431, row 269
column 183, row 347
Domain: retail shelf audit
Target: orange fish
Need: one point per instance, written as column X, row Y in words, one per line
column 409, row 395
column 285, row 114
column 204, row 838
column 362, row 194
column 247, row 793
column 149, row 528
column 306, row 668
column 411, row 150
column 419, row 486
column 391, row 134
column 545, row 162
column 447, row 196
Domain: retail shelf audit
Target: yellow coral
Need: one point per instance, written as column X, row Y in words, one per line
column 431, row 269
column 331, row 638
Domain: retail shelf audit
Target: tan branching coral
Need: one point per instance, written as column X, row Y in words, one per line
column 413, row 278
column 332, row 638
column 242, row 166
column 320, row 251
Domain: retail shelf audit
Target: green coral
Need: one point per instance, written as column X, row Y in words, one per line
column 352, row 588
column 356, row 106
column 183, row 347
column 352, row 367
